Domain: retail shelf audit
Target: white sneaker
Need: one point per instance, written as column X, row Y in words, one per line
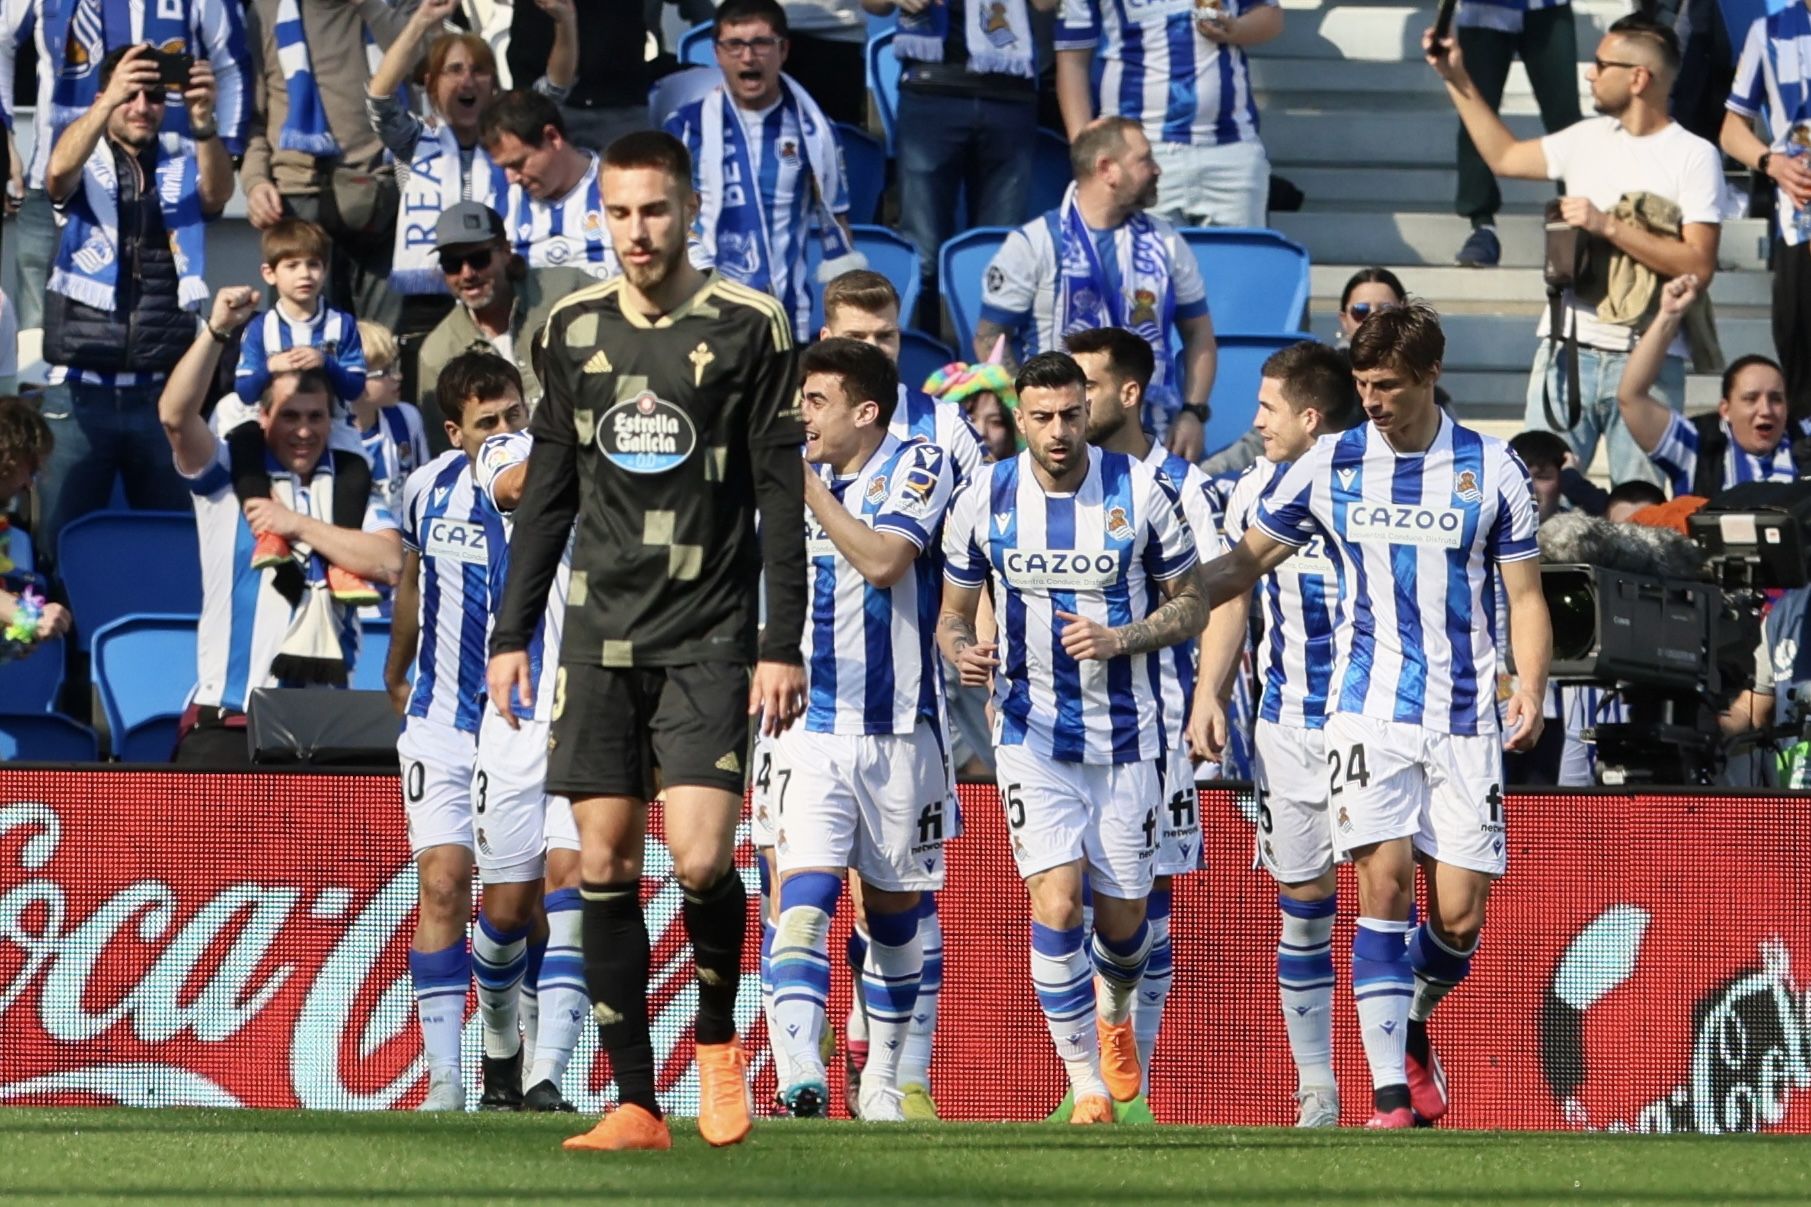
column 445, row 1093
column 1319, row 1106
column 882, row 1104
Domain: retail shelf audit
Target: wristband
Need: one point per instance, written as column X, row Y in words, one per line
column 204, row 133
column 1197, row 409
column 1760, row 164
column 220, row 337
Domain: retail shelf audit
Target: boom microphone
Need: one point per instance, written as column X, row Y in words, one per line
column 1571, row 538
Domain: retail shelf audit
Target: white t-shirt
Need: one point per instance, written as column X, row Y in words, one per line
column 1600, row 160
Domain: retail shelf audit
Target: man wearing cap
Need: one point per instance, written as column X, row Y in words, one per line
column 499, row 298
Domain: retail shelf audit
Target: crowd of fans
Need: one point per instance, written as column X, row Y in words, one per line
column 424, row 178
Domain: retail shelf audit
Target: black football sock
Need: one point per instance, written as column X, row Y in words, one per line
column 716, row 921
column 615, row 941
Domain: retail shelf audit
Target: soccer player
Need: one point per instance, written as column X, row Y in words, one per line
column 1421, row 515
column 1305, row 392
column 863, row 780
column 438, row 626
column 1092, row 563
column 670, row 418
column 1118, row 367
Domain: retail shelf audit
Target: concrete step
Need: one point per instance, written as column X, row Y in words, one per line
column 1506, row 342
column 1405, row 239
column 1275, row 74
column 1391, row 32
column 1503, row 393
column 1422, row 138
column 1515, row 287
column 1332, row 188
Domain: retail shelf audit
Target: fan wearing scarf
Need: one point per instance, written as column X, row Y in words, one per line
column 440, row 159
column 128, row 270
column 279, row 626
column 1099, row 260
column 766, row 165
column 555, row 203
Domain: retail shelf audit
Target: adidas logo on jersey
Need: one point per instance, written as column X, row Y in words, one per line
column 599, row 363
column 730, row 763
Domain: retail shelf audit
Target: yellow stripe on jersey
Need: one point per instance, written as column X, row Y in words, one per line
column 590, row 293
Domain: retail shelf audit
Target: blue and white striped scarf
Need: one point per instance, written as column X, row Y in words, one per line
column 435, row 183
column 746, row 222
column 88, row 255
column 77, row 35
column 996, row 35
column 305, row 128
column 1144, row 303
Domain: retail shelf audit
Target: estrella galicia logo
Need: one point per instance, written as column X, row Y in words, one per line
column 646, row 435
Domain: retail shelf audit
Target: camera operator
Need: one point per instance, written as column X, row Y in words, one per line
column 1748, row 439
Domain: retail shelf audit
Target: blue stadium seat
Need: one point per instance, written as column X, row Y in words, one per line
column 920, row 356
column 1257, row 280
column 1051, row 173
column 94, row 550
column 883, row 84
column 865, row 164
column 373, row 648
column 47, row 738
column 671, row 93
column 144, row 668
column 889, row 253
column 30, row 684
column 16, row 544
column 697, row 46
column 1234, row 401
column 960, row 266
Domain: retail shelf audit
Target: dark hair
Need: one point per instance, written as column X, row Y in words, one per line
column 308, row 381
column 1102, row 136
column 1128, row 355
column 473, row 377
column 1315, row 377
column 1635, row 490
column 1540, row 448
column 524, row 113
column 867, row 373
column 860, row 289
column 734, row 12
column 1652, row 33
column 1049, row 371
column 25, row 439
column 651, row 149
column 1745, row 362
column 1372, row 276
column 1407, row 337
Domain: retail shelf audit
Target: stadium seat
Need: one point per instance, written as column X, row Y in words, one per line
column 1051, row 173
column 1257, row 280
column 373, row 648
column 865, row 164
column 144, row 668
column 94, row 550
column 47, row 738
column 920, row 356
column 30, row 684
column 960, row 266
column 1234, row 401
column 15, row 544
column 883, row 84
column 889, row 253
column 673, row 92
column 697, row 46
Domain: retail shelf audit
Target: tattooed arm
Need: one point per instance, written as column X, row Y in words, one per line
column 1181, row 616
column 974, row 658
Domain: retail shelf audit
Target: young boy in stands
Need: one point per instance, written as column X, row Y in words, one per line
column 302, row 333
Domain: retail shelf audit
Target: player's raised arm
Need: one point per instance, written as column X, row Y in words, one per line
column 1226, row 578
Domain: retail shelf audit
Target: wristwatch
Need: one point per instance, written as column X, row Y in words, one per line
column 1197, row 409
column 1760, row 164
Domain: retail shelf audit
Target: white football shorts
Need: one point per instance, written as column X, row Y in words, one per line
column 760, row 803
column 1387, row 779
column 1060, row 812
column 1179, row 821
column 438, row 766
column 509, row 801
column 1289, row 770
column 877, row 803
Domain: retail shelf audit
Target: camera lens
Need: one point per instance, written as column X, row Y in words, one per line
column 1572, row 605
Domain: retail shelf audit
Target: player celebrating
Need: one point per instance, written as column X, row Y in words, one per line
column 438, row 625
column 1118, row 367
column 863, row 780
column 1081, row 544
column 670, row 416
column 1422, row 516
column 1305, row 392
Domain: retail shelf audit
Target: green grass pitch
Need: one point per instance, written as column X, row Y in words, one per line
column 184, row 1156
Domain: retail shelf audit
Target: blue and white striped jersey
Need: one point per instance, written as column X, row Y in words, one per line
column 1201, row 508
column 500, row 453
column 1159, row 71
column 396, row 445
column 1418, row 538
column 918, row 416
column 1298, row 601
column 1676, row 456
column 1095, row 553
column 567, row 232
column 443, row 521
column 871, row 665
column 333, row 332
column 244, row 618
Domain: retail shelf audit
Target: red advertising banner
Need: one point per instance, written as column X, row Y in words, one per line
column 181, row 939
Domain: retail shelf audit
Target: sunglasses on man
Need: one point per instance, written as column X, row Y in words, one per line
column 453, row 262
